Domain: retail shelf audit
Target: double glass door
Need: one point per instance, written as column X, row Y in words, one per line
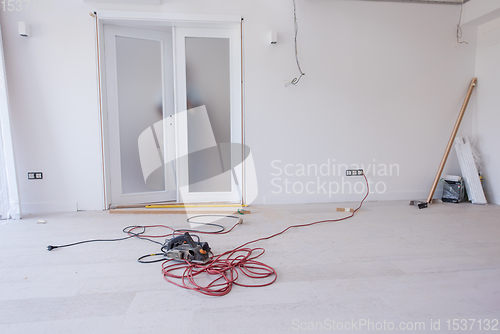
column 173, row 107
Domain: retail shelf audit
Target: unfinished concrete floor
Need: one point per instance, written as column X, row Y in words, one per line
column 391, row 263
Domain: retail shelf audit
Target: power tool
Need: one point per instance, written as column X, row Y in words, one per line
column 185, row 248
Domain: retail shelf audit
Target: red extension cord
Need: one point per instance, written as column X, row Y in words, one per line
column 227, row 266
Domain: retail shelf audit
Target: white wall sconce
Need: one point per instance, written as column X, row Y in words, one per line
column 24, row 29
column 273, row 37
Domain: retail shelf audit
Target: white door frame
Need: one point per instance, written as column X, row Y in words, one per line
column 142, row 20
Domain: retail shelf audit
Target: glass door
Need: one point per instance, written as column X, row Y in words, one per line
column 209, row 128
column 140, row 105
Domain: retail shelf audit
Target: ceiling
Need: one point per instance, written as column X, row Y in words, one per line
column 450, row 2
column 142, row 2
column 159, row 2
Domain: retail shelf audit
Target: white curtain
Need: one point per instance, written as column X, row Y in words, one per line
column 9, row 194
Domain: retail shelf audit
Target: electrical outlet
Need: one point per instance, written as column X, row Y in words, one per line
column 35, row 175
column 354, row 172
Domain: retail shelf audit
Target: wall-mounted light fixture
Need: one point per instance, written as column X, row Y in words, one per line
column 24, row 29
column 273, row 37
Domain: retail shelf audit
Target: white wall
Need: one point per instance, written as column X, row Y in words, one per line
column 55, row 124
column 478, row 12
column 485, row 14
column 384, row 81
column 487, row 118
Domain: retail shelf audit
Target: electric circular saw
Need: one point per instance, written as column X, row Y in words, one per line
column 185, row 248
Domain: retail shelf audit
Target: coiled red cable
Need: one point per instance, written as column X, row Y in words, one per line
column 229, row 265
column 225, row 267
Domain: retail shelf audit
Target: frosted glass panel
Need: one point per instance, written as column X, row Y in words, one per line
column 208, row 84
column 139, row 77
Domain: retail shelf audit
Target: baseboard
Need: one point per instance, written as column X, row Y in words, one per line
column 492, row 199
column 276, row 199
column 27, row 208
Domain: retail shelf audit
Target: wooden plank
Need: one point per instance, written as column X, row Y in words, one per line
column 175, row 212
column 153, row 206
column 140, row 206
column 345, row 210
column 451, row 140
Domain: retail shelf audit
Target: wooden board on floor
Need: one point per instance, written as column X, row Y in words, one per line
column 176, row 212
column 180, row 206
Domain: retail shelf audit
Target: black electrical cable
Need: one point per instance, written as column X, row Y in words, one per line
column 140, row 234
column 459, row 27
column 296, row 80
column 125, row 230
column 142, row 229
column 219, row 231
column 198, row 216
column 129, row 229
column 141, row 259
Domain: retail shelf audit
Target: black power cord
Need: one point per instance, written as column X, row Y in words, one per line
column 295, row 81
column 459, row 26
column 163, row 258
column 140, row 234
column 125, row 230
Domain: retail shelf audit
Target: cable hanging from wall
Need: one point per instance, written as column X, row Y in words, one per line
column 296, row 80
column 459, row 27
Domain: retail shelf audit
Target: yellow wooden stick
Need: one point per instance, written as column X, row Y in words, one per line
column 155, row 206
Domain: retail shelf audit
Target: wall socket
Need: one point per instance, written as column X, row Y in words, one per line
column 354, row 172
column 35, row 175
